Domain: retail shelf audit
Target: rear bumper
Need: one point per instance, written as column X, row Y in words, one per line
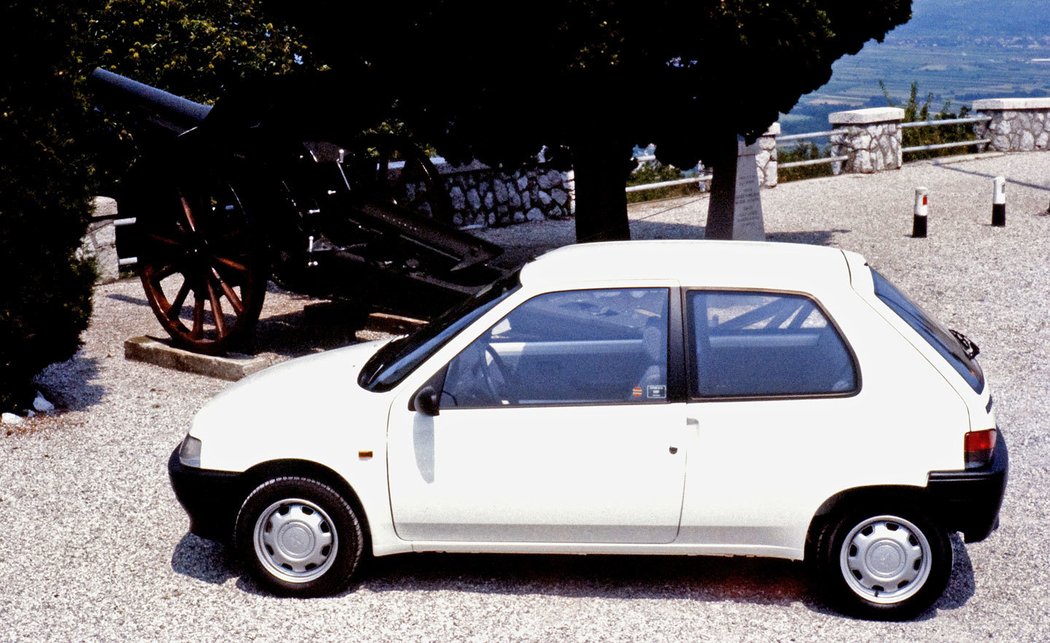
column 969, row 500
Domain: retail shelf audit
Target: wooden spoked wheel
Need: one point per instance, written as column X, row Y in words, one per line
column 202, row 267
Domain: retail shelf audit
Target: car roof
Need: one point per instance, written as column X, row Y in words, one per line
column 726, row 264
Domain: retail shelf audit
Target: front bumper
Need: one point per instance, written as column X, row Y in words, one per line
column 210, row 498
column 969, row 500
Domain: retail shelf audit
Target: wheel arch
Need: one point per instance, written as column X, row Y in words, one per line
column 904, row 494
column 264, row 471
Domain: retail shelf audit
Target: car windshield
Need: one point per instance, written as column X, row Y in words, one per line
column 396, row 359
column 942, row 339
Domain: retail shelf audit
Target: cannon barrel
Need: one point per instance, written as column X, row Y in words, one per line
column 164, row 109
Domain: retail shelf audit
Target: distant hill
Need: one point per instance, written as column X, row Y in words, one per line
column 961, row 19
column 958, row 50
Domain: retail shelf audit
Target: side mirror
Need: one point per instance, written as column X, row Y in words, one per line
column 427, row 401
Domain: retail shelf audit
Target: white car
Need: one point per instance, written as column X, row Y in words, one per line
column 644, row 397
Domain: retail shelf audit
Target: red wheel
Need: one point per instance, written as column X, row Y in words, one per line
column 202, row 265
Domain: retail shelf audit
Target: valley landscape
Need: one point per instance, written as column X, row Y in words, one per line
column 956, row 50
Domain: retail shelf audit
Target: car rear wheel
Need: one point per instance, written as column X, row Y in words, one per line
column 886, row 564
column 299, row 537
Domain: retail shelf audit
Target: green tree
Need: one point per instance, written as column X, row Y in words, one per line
column 193, row 48
column 597, row 77
column 45, row 180
column 198, row 49
column 916, row 111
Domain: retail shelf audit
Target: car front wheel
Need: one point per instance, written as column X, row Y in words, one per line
column 299, row 537
column 885, row 564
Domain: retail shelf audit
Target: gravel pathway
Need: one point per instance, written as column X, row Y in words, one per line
column 95, row 545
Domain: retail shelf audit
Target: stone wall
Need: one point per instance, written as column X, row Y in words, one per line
column 100, row 242
column 1016, row 125
column 766, row 157
column 481, row 196
column 871, row 138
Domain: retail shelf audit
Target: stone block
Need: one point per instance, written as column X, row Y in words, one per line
column 474, row 199
column 867, row 116
column 159, row 353
column 459, row 200
column 994, row 104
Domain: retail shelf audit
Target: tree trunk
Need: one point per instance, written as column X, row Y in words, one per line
column 601, row 170
column 723, row 190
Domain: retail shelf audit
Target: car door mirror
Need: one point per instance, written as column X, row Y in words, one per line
column 427, row 401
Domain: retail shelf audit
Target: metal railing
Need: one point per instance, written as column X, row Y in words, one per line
column 650, row 158
column 791, row 138
column 826, row 160
column 941, row 123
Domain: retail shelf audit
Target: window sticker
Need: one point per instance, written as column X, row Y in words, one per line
column 656, row 392
column 636, row 392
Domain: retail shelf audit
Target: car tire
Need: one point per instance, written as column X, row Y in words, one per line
column 299, row 537
column 883, row 562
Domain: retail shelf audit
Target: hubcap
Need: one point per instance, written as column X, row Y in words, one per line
column 295, row 540
column 885, row 559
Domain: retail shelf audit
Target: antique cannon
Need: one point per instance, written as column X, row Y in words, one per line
column 274, row 182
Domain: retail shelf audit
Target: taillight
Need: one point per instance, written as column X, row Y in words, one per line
column 979, row 447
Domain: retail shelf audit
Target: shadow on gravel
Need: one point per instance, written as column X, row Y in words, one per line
column 137, row 301
column 318, row 327
column 203, row 560
column 760, row 581
column 961, row 585
column 953, row 168
column 71, row 385
column 811, row 237
column 645, row 229
column 756, row 581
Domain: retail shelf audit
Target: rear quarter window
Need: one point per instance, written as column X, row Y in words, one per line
column 764, row 344
column 931, row 330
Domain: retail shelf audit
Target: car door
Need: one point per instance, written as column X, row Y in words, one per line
column 783, row 421
column 555, row 425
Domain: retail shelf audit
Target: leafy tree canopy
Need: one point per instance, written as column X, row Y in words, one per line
column 193, row 48
column 596, row 75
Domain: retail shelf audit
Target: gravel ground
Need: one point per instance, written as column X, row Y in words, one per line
column 96, row 547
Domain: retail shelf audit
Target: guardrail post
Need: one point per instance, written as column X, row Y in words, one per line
column 918, row 221
column 869, row 138
column 999, row 202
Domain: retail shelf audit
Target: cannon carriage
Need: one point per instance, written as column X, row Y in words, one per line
column 274, row 182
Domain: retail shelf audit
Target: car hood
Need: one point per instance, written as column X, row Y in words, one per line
column 295, row 409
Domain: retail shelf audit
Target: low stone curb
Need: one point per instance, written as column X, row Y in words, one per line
column 232, row 367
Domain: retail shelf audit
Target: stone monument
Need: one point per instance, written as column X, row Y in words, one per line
column 748, row 224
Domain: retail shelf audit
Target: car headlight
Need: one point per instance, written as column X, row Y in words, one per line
column 190, row 452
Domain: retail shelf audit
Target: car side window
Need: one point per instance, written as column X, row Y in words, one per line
column 573, row 347
column 758, row 344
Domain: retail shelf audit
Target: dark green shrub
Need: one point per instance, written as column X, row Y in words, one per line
column 45, row 290
column 657, row 172
column 805, row 151
column 916, row 111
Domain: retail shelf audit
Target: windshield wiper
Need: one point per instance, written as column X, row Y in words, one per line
column 971, row 349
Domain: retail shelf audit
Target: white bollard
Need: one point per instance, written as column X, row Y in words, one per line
column 999, row 202
column 922, row 204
